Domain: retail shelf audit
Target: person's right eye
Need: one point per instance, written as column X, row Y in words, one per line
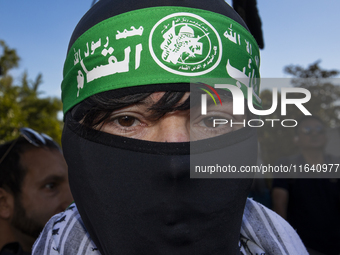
column 125, row 124
column 126, row 121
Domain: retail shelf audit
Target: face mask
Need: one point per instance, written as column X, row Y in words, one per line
column 136, row 197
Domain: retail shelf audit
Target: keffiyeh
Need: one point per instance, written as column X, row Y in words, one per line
column 262, row 232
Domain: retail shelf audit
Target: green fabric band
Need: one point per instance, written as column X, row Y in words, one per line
column 159, row 45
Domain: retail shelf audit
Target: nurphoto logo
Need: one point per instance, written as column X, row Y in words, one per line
column 238, row 103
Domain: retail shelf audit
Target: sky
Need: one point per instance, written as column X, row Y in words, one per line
column 297, row 32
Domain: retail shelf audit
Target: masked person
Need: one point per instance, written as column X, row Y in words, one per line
column 128, row 134
column 33, row 188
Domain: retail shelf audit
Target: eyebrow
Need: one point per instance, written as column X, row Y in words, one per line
column 52, row 178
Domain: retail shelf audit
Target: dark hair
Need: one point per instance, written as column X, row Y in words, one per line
column 12, row 172
column 305, row 118
column 98, row 108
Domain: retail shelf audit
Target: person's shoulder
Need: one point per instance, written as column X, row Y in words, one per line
column 269, row 230
column 65, row 233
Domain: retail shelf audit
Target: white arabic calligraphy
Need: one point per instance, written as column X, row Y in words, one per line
column 113, row 66
column 96, row 45
column 249, row 49
column 80, row 81
column 230, row 36
column 87, row 53
column 76, row 57
column 139, row 49
column 105, row 51
column 127, row 33
column 241, row 76
column 107, row 42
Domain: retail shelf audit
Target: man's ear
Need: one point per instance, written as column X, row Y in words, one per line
column 6, row 204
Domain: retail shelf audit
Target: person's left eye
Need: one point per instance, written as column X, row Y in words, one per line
column 210, row 126
column 50, row 186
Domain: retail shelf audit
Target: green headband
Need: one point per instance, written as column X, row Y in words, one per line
column 159, row 45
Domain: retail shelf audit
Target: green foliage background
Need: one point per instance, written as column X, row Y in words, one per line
column 21, row 104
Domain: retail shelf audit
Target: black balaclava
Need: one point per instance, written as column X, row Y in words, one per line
column 136, row 197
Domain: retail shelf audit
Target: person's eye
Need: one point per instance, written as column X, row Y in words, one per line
column 212, row 125
column 127, row 121
column 215, row 123
column 124, row 124
column 50, row 186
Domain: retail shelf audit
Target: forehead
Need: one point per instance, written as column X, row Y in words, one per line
column 41, row 163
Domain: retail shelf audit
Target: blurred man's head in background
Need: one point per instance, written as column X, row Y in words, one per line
column 33, row 186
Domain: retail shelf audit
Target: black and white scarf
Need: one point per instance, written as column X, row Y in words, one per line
column 263, row 232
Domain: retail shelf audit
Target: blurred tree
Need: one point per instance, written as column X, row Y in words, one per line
column 277, row 142
column 20, row 104
column 9, row 58
column 325, row 95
